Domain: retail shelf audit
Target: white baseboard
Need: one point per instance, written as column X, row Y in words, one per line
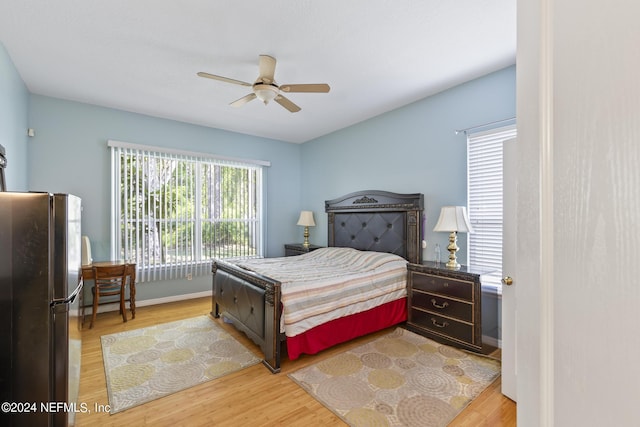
column 88, row 310
column 495, row 342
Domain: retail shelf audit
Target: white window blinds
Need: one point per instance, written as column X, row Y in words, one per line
column 173, row 212
column 484, row 163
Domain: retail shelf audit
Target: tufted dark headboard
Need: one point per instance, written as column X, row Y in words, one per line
column 378, row 221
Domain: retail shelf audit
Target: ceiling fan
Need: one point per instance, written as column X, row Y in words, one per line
column 265, row 87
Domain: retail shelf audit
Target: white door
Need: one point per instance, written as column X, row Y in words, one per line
column 509, row 247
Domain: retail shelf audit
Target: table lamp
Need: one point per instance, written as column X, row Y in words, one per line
column 306, row 220
column 453, row 219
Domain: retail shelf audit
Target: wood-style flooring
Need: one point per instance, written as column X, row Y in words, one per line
column 250, row 397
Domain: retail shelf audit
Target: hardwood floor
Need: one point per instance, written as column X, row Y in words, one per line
column 252, row 396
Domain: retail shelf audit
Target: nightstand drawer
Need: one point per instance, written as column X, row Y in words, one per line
column 443, row 326
column 443, row 285
column 442, row 306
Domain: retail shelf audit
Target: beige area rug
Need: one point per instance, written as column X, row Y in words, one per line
column 400, row 379
column 149, row 363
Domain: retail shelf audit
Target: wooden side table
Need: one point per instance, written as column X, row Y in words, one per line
column 292, row 249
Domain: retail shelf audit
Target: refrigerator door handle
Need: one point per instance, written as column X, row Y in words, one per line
column 71, row 298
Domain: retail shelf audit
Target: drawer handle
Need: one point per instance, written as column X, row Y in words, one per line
column 436, row 305
column 439, row 325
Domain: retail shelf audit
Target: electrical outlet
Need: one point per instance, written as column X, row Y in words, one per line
column 189, row 276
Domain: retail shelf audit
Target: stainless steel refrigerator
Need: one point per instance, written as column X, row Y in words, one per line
column 40, row 291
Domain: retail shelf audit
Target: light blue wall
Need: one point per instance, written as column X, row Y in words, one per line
column 69, row 154
column 14, row 115
column 413, row 149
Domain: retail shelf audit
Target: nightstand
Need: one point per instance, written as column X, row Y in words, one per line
column 292, row 249
column 445, row 304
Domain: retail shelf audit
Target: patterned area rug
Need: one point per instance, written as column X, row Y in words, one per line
column 400, row 379
column 149, row 363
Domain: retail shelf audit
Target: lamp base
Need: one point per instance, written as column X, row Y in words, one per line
column 306, row 237
column 453, row 248
column 452, row 265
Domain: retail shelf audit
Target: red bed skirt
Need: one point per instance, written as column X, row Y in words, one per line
column 346, row 328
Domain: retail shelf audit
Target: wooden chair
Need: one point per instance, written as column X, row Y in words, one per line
column 110, row 281
column 131, row 272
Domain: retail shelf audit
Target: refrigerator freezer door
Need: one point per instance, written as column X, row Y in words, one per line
column 67, row 285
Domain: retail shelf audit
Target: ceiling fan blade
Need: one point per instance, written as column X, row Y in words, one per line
column 319, row 87
column 286, row 103
column 223, row 79
column 240, row 102
column 267, row 68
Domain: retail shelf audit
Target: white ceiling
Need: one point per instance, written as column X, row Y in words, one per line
column 143, row 55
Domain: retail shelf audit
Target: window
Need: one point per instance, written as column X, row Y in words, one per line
column 484, row 163
column 174, row 211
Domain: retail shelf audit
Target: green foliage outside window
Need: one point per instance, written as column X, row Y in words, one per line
column 175, row 211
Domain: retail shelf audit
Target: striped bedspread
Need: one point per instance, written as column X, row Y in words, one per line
column 329, row 283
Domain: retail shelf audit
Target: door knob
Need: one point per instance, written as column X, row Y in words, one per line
column 507, row 280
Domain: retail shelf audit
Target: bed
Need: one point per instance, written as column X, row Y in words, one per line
column 249, row 293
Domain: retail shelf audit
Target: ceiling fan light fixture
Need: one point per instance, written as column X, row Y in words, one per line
column 265, row 88
column 265, row 92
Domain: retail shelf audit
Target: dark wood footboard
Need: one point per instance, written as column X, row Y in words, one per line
column 252, row 303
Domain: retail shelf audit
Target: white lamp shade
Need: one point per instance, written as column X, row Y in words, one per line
column 306, row 219
column 453, row 218
column 85, row 251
